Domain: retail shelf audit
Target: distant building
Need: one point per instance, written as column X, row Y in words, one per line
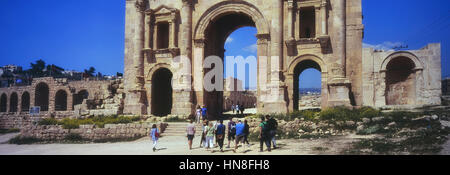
column 234, row 93
column 11, row 68
column 233, row 84
column 71, row 74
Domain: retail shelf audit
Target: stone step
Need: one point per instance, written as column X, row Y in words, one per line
column 179, row 129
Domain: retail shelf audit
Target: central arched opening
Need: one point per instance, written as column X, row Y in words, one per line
column 240, row 77
column 162, row 97
column 217, row 36
column 13, row 102
column 61, row 100
column 42, row 96
column 307, row 85
column 400, row 82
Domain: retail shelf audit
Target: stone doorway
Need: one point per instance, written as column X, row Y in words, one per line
column 162, row 92
column 298, row 93
column 3, row 103
column 61, row 100
column 25, row 106
column 216, row 36
column 13, row 103
column 42, row 96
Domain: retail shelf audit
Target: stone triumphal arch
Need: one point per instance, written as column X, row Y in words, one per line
column 293, row 35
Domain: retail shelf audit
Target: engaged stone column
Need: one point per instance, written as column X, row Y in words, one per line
column 172, row 37
column 183, row 103
column 134, row 57
column 275, row 102
column 290, row 30
column 339, row 86
column 186, row 29
column 323, row 18
column 339, row 22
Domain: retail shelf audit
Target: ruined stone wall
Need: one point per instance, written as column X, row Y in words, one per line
column 90, row 132
column 421, row 87
column 105, row 97
column 248, row 99
column 18, row 121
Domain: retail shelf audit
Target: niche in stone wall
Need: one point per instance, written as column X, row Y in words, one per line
column 400, row 82
column 162, row 24
column 307, row 22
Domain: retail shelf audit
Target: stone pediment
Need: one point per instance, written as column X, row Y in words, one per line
column 164, row 10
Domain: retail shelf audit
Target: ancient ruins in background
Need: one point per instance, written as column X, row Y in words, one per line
column 293, row 35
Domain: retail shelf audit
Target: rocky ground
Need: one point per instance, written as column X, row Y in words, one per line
column 398, row 133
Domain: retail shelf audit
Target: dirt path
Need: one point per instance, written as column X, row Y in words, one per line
column 177, row 145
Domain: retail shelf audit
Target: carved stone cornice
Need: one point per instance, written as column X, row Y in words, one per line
column 200, row 43
column 141, row 5
column 263, row 38
column 188, row 2
column 291, row 4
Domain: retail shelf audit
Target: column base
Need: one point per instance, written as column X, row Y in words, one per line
column 339, row 90
column 134, row 104
column 182, row 103
column 273, row 107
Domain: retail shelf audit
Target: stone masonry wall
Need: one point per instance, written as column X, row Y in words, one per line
column 91, row 132
column 18, row 121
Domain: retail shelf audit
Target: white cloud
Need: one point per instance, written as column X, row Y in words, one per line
column 252, row 48
column 229, row 40
column 386, row 46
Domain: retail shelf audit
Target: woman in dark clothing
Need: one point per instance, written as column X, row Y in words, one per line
column 246, row 132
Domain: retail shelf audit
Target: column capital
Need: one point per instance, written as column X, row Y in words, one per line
column 263, row 38
column 323, row 3
column 141, row 5
column 200, row 42
column 291, row 4
column 188, row 2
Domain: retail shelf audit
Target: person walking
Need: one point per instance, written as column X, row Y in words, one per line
column 209, row 136
column 220, row 134
column 203, row 139
column 198, row 114
column 204, row 112
column 215, row 133
column 239, row 136
column 154, row 134
column 232, row 108
column 272, row 127
column 263, row 135
column 246, row 132
column 231, row 132
column 242, row 108
column 190, row 130
column 237, row 108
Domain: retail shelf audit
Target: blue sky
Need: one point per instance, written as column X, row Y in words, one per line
column 76, row 34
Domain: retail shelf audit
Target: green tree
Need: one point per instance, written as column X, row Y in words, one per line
column 37, row 69
column 90, row 72
column 54, row 71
